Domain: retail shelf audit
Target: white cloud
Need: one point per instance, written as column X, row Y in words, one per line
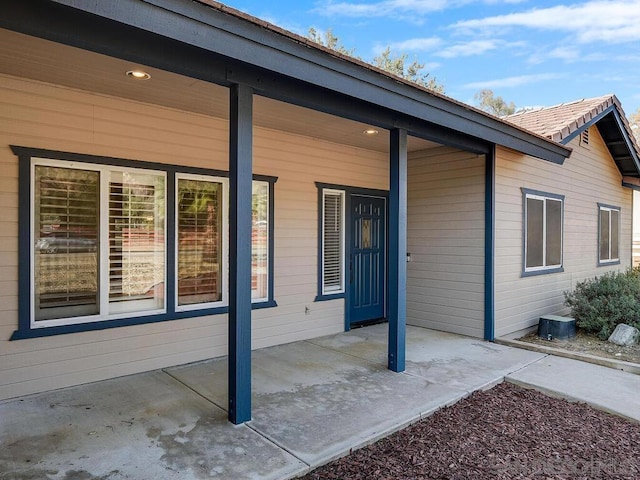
column 475, row 47
column 387, row 8
column 598, row 20
column 417, row 44
column 516, row 81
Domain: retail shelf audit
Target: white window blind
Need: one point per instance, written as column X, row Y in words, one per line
column 199, row 225
column 66, row 226
column 333, row 242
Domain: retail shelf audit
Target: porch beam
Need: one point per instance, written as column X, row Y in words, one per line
column 489, row 245
column 240, row 178
column 397, row 250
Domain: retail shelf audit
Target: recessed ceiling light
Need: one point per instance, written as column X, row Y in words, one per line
column 138, row 75
column 370, row 131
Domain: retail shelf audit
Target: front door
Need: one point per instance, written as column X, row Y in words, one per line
column 367, row 259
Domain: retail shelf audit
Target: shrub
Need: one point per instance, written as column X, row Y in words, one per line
column 600, row 304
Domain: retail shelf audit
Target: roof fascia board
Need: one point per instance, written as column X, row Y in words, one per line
column 613, row 109
column 593, row 121
column 627, row 139
column 223, row 34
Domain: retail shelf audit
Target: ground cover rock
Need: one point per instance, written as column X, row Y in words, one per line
column 625, row 335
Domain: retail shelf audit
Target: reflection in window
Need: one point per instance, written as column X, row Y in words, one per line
column 260, row 241
column 199, row 228
column 66, row 229
column 609, row 243
column 543, row 231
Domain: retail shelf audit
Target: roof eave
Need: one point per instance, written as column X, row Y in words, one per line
column 263, row 48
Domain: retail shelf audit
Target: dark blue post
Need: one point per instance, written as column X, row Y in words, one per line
column 397, row 250
column 489, row 245
column 240, row 178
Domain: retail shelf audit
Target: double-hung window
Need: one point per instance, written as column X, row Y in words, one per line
column 109, row 242
column 543, row 225
column 608, row 234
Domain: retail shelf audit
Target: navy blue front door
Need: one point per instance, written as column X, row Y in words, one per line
column 367, row 259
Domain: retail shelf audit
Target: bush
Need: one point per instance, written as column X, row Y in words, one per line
column 600, row 304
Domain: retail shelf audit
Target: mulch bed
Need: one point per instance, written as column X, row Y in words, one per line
column 507, row 432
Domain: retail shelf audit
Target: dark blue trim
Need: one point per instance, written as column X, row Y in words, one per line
column 397, row 250
column 25, row 154
column 631, row 186
column 348, row 268
column 545, row 271
column 324, row 298
column 489, row 246
column 240, row 215
column 601, row 263
column 591, row 122
column 24, row 245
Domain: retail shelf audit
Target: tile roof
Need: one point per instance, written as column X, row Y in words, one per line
column 560, row 121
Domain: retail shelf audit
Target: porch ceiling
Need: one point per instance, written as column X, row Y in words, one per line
column 33, row 58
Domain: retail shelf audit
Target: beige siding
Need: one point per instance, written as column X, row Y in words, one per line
column 587, row 178
column 445, row 278
column 45, row 116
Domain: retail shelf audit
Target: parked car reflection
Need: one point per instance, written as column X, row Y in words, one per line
column 66, row 245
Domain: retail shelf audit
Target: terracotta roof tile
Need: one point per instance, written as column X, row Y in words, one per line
column 562, row 120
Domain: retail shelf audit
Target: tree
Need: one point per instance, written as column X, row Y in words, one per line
column 634, row 121
column 329, row 40
column 412, row 72
column 488, row 102
column 396, row 65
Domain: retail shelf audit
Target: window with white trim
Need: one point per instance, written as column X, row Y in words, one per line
column 99, row 237
column 608, row 234
column 543, row 231
column 333, row 241
column 98, row 248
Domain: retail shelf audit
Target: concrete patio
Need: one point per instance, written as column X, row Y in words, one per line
column 312, row 401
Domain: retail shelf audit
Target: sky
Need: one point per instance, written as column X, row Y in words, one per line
column 530, row 52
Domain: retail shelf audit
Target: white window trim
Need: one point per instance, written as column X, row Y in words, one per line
column 608, row 209
column 544, row 233
column 334, row 290
column 104, row 244
column 225, row 243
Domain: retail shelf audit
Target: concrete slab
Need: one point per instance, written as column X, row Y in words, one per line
column 442, row 358
column 141, row 427
column 604, row 388
column 318, row 403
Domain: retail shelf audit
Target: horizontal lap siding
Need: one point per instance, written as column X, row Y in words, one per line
column 445, row 278
column 45, row 116
column 587, row 178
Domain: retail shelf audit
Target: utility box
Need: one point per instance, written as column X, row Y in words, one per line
column 552, row 327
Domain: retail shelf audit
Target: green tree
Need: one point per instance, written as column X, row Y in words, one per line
column 398, row 65
column 487, row 101
column 329, row 40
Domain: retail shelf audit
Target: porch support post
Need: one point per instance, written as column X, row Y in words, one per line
column 397, row 250
column 489, row 245
column 240, row 177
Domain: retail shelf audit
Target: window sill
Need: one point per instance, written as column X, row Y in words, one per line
column 324, row 298
column 126, row 322
column 542, row 272
column 609, row 263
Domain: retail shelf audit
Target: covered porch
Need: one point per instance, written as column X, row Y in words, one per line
column 313, row 401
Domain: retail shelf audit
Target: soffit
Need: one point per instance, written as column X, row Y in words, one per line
column 33, row 58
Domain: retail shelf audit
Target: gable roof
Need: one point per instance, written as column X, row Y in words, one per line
column 564, row 122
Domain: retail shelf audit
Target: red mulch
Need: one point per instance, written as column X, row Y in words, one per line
column 507, row 432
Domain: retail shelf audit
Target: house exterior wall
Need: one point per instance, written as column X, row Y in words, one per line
column 588, row 177
column 51, row 117
column 445, row 237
